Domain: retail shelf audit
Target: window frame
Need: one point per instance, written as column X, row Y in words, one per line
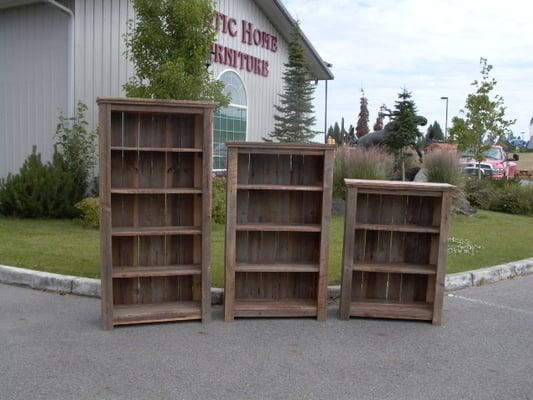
column 238, row 106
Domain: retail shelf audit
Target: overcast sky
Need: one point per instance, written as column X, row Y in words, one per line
column 431, row 47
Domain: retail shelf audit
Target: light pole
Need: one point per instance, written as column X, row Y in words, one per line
column 329, row 65
column 445, row 122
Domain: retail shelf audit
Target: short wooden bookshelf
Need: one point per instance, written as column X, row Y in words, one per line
column 155, row 194
column 395, row 250
column 277, row 230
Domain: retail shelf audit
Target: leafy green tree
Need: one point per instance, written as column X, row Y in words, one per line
column 77, row 144
column 434, row 133
column 403, row 128
column 483, row 122
column 362, row 123
column 170, row 45
column 294, row 117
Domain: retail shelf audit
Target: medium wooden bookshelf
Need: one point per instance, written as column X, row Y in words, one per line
column 277, row 230
column 155, row 199
column 395, row 250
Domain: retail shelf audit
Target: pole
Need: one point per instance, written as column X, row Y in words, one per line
column 446, row 123
column 326, row 116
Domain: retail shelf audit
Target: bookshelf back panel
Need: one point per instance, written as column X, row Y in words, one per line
column 130, row 129
column 283, row 207
column 152, row 290
column 275, row 285
column 153, row 250
column 277, row 247
column 125, row 129
column 181, row 169
column 389, row 287
column 392, row 247
column 154, row 170
column 393, row 209
column 280, row 169
column 143, row 210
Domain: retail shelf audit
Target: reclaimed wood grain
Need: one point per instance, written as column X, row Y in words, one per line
column 394, row 260
column 277, row 230
column 155, row 164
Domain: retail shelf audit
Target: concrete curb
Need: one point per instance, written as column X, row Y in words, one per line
column 91, row 287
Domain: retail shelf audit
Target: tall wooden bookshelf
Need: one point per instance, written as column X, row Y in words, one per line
column 155, row 196
column 277, row 230
column 395, row 250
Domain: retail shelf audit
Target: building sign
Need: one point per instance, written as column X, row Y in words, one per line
column 249, row 35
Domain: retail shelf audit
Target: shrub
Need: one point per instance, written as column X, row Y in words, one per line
column 77, row 144
column 503, row 196
column 89, row 209
column 219, row 201
column 358, row 163
column 512, row 199
column 443, row 166
column 39, row 190
column 53, row 189
column 478, row 192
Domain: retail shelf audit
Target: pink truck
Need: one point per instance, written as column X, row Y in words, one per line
column 496, row 164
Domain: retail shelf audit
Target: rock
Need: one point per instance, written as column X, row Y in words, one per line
column 461, row 205
column 421, row 176
column 410, row 174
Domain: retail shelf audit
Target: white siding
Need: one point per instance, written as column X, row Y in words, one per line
column 102, row 68
column 33, row 81
column 101, row 64
column 262, row 91
column 33, row 69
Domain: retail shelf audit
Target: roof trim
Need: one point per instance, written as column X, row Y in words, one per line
column 280, row 16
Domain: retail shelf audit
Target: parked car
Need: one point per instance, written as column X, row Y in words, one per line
column 518, row 143
column 495, row 165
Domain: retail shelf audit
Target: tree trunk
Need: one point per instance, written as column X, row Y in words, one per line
column 402, row 158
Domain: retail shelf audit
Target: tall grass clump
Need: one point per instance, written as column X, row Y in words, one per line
column 358, row 163
column 443, row 166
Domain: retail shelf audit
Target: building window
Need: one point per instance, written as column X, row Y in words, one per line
column 230, row 122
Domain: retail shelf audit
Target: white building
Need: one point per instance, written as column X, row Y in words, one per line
column 56, row 53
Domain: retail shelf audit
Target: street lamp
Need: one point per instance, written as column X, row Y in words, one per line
column 329, row 65
column 446, row 122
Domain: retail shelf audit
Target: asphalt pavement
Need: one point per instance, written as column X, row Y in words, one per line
column 53, row 347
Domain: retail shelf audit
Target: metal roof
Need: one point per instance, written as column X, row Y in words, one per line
column 281, row 19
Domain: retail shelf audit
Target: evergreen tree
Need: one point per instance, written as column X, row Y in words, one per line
column 330, row 132
column 403, row 131
column 351, row 139
column 170, row 45
column 483, row 122
column 362, row 123
column 294, row 117
column 336, row 134
column 379, row 124
column 434, row 133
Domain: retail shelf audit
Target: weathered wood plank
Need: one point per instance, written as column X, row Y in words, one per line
column 231, row 233
column 348, row 253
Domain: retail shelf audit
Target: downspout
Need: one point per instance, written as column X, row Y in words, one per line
column 71, row 57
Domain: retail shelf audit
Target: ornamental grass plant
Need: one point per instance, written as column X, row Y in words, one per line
column 358, row 163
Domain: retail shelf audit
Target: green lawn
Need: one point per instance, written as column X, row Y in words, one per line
column 66, row 247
